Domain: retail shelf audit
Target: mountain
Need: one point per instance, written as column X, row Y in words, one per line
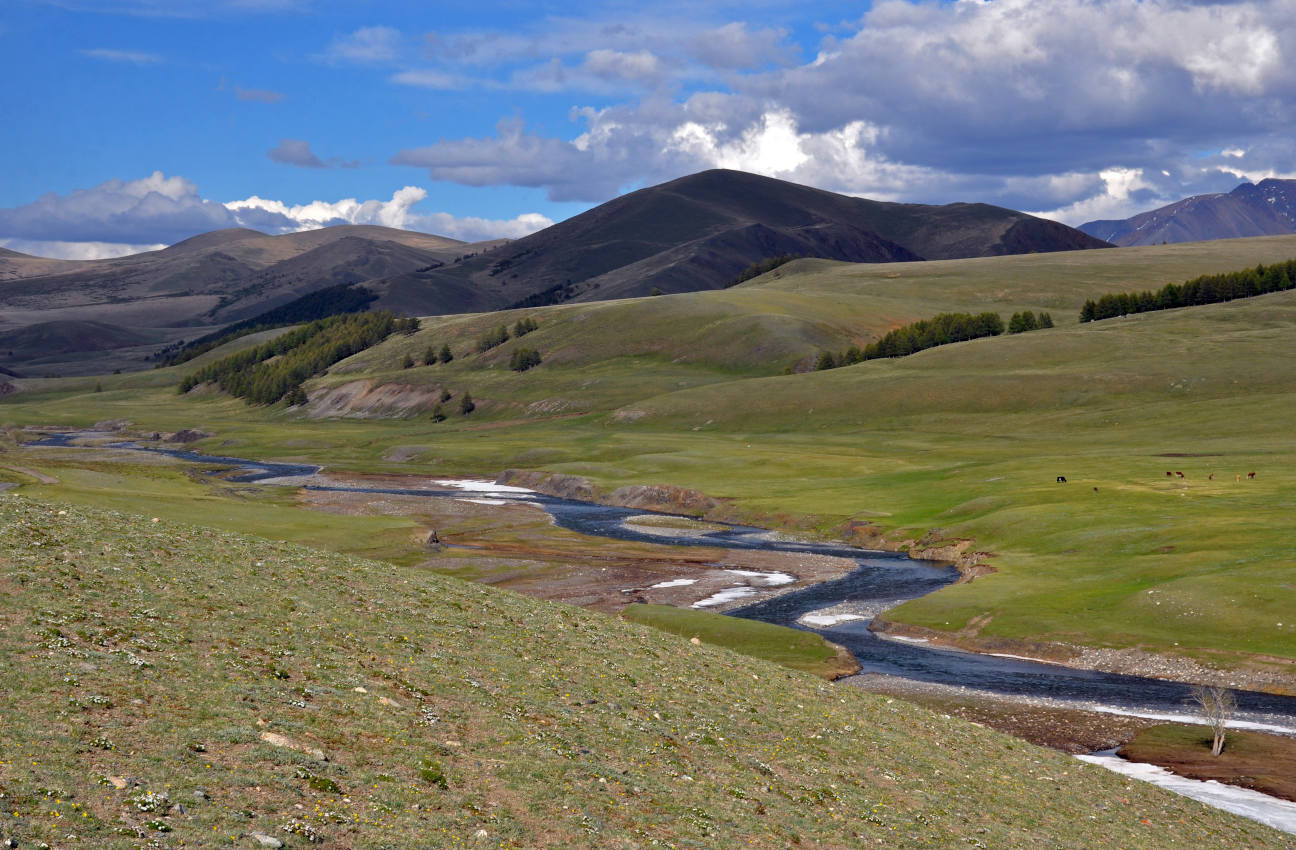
column 137, row 304
column 1264, row 209
column 695, row 233
column 700, row 231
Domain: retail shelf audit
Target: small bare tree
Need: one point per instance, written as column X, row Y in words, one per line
column 1217, row 705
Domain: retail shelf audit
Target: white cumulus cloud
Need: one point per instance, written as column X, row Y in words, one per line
column 121, row 217
column 1034, row 104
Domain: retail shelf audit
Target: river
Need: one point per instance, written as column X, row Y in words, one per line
column 881, row 580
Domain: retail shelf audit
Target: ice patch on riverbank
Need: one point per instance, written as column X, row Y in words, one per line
column 826, row 620
column 1196, row 719
column 729, row 594
column 676, row 582
column 767, row 579
column 485, row 501
column 1271, row 811
column 474, row 485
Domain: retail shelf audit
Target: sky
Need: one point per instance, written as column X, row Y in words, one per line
column 131, row 124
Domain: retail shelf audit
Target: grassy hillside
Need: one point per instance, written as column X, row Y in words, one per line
column 176, row 685
column 958, row 442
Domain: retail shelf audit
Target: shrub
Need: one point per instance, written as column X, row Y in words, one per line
column 523, row 359
column 499, row 336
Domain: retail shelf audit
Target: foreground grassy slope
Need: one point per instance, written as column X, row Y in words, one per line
column 963, row 441
column 185, row 686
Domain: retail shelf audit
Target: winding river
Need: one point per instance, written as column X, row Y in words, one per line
column 881, row 581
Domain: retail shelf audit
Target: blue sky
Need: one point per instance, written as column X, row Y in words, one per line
column 133, row 123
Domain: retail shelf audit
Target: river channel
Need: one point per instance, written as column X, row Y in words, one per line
column 881, row 580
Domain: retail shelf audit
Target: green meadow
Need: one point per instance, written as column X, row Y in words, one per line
column 961, row 442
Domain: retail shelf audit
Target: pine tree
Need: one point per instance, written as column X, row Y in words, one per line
column 445, row 356
column 466, row 405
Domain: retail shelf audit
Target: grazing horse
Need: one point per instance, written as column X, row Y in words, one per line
column 1169, row 474
column 1180, row 474
column 1062, row 478
column 1210, row 477
column 1250, row 475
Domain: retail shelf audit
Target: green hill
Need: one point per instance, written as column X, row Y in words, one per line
column 169, row 685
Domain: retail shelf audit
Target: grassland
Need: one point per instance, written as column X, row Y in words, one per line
column 171, row 685
column 798, row 650
column 962, row 442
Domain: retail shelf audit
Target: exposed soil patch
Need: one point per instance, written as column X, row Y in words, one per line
column 1265, row 763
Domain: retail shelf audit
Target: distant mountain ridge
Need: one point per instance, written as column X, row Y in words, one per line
column 1267, row 208
column 127, row 308
column 695, row 233
column 700, row 231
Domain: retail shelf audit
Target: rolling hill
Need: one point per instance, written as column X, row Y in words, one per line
column 146, row 301
column 700, row 231
column 695, row 233
column 1264, row 209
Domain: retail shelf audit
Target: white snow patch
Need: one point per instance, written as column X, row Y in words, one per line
column 1271, row 811
column 767, row 579
column 824, row 620
column 485, row 501
column 1234, row 723
column 729, row 594
column 473, row 485
column 676, row 582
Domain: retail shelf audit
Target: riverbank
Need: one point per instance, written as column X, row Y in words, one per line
column 1275, row 676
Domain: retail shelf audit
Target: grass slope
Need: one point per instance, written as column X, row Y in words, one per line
column 175, row 685
column 799, row 650
column 959, row 442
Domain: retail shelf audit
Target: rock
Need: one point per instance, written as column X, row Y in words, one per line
column 360, row 690
column 274, row 739
column 117, row 782
column 266, row 840
column 389, row 702
column 200, row 794
column 481, row 835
